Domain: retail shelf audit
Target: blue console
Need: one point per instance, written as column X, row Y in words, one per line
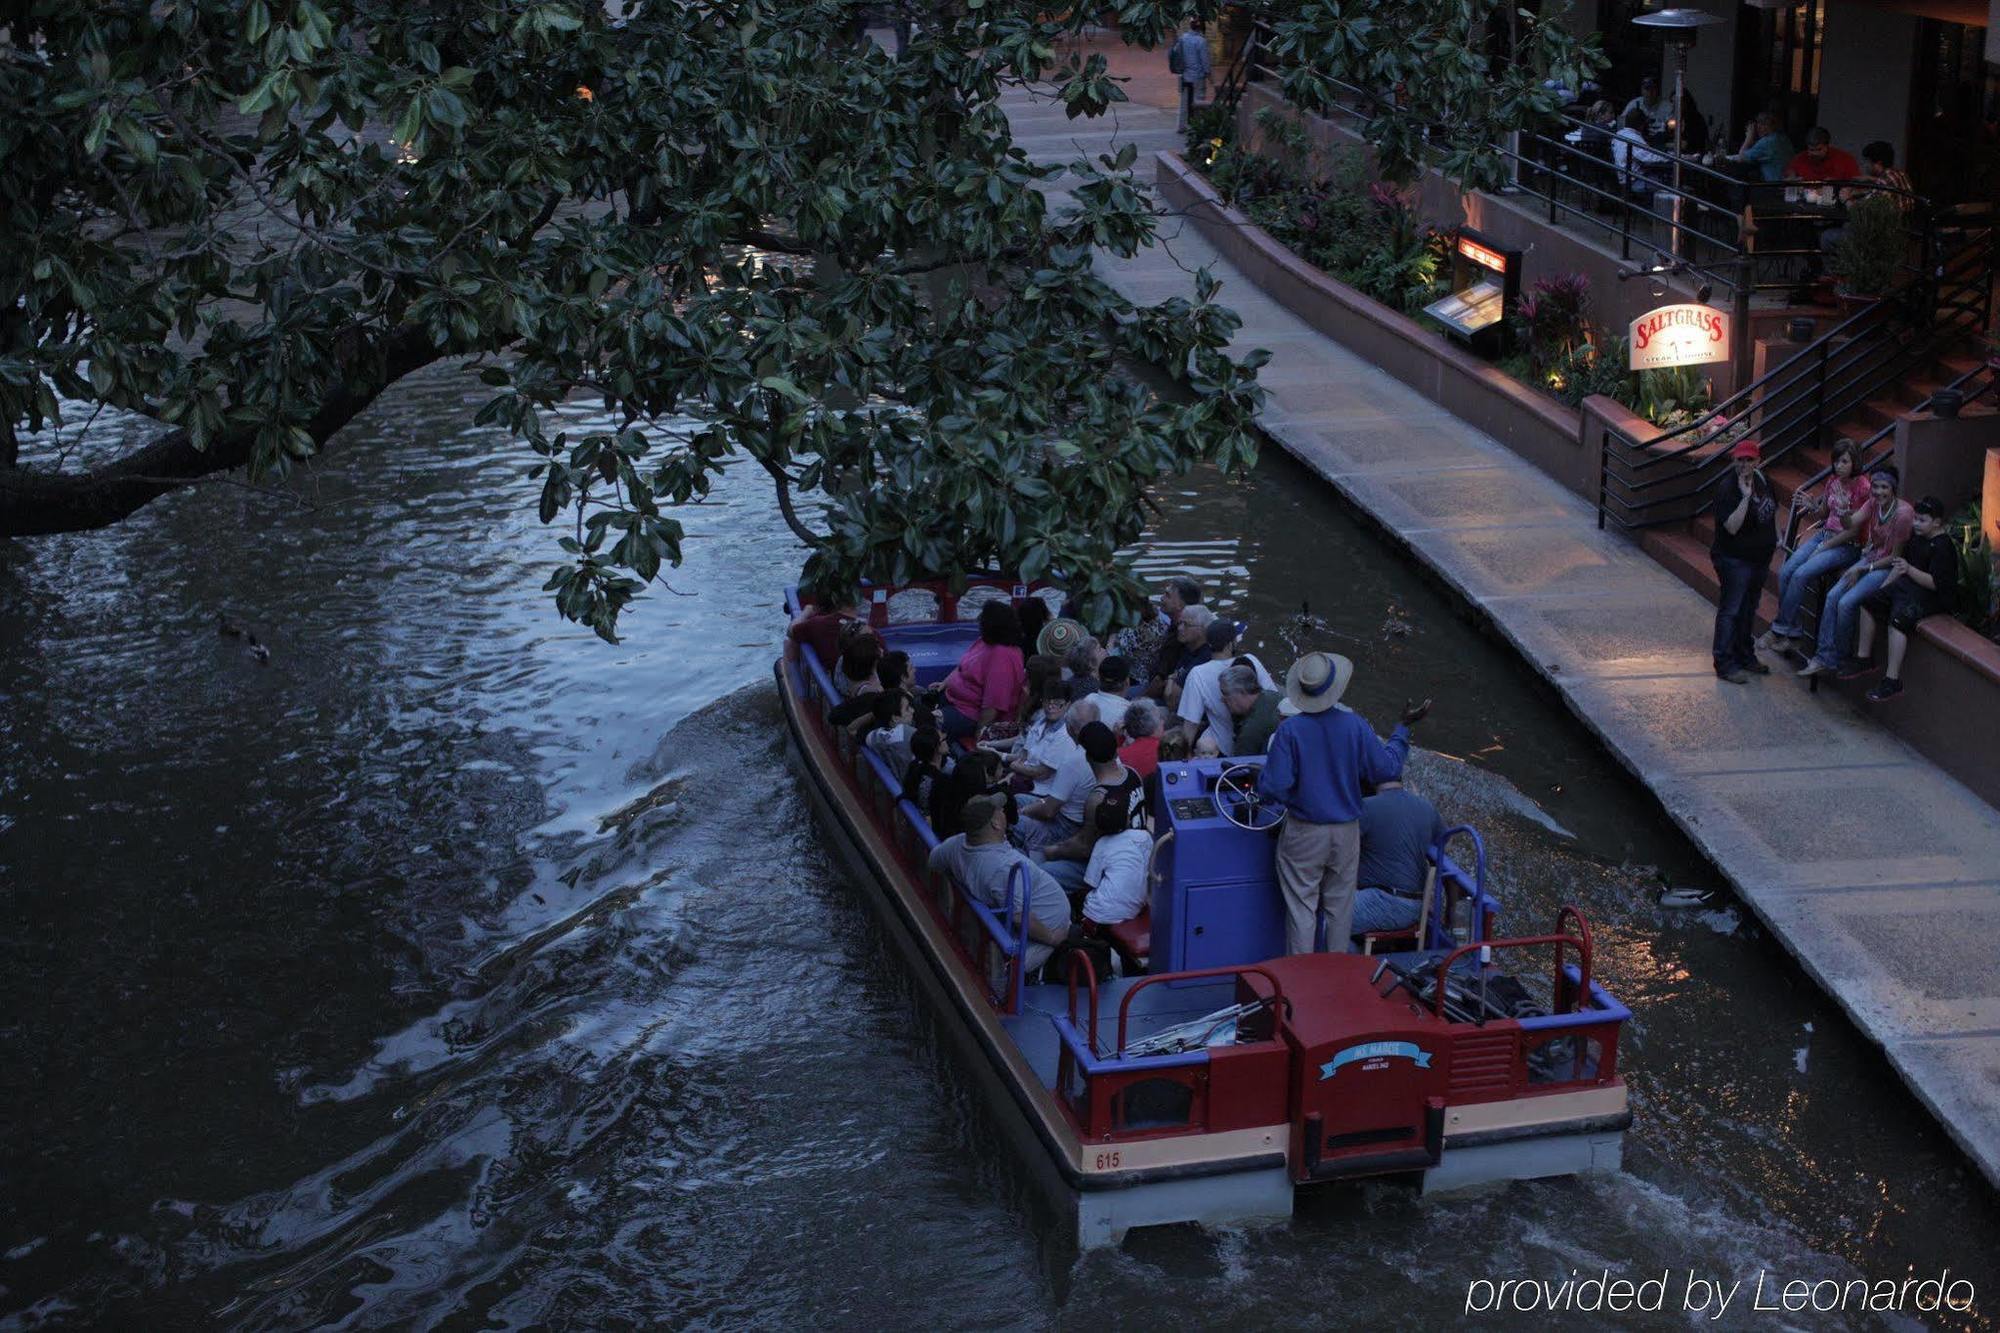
column 1215, row 898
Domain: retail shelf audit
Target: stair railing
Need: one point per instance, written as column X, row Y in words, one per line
column 1796, row 403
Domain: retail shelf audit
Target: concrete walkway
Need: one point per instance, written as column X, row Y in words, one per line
column 1897, row 923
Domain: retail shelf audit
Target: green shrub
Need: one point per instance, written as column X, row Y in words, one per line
column 1975, row 568
column 1871, row 247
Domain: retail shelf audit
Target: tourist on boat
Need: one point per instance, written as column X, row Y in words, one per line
column 895, row 719
column 1746, row 534
column 1045, row 745
column 987, row 683
column 1252, row 709
column 1058, row 637
column 929, row 761
column 1201, row 706
column 1319, row 761
column 859, row 656
column 1080, row 667
column 1116, row 873
column 1191, row 641
column 823, row 615
column 1922, row 580
column 1061, row 813
column 1888, row 523
column 1034, row 615
column 1141, row 644
column 982, row 859
column 1141, row 751
column 1040, row 671
column 1832, row 545
column 1398, row 830
column 892, row 672
column 971, row 773
column 1114, row 675
column 1110, row 783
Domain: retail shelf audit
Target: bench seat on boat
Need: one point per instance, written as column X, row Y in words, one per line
column 934, row 649
column 1133, row 940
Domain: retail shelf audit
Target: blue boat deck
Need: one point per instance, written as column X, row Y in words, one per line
column 1158, row 1006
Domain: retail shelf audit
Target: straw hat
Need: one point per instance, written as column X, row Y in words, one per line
column 1059, row 636
column 1316, row 682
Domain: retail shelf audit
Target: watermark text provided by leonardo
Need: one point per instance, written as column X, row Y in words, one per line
column 1690, row 1292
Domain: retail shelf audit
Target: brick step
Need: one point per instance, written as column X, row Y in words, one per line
column 1685, row 556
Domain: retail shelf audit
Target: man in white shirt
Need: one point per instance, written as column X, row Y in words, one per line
column 1201, row 706
column 1114, row 674
column 1059, row 814
column 1116, row 875
column 1651, row 103
column 1048, row 743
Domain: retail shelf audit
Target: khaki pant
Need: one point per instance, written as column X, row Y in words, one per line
column 1317, row 865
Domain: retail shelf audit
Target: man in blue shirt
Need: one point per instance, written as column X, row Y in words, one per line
column 1319, row 760
column 1193, row 67
column 1766, row 147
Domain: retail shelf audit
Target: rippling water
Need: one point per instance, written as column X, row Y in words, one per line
column 457, row 969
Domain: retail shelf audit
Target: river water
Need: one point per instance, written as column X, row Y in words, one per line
column 355, row 989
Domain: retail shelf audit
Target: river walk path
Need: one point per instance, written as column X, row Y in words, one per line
column 1879, row 872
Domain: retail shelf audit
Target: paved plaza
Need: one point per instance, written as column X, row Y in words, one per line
column 1897, row 926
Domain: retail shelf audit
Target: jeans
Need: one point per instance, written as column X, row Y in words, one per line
column 1836, row 622
column 1069, row 874
column 1735, row 610
column 1379, row 909
column 1801, row 568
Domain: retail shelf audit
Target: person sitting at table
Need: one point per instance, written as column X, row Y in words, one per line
column 1631, row 151
column 1766, row 148
column 1880, row 172
column 1694, row 127
column 1651, row 103
column 1821, row 161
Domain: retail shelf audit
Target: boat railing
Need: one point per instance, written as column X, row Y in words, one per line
column 1452, row 879
column 880, row 595
column 994, row 945
column 1121, row 1094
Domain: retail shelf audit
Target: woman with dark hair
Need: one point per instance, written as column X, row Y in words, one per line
column 859, row 657
column 987, row 684
column 1034, row 613
column 1831, row 546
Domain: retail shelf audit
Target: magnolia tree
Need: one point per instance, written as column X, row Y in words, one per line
column 241, row 221
column 1437, row 82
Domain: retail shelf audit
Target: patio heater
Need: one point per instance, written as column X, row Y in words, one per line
column 1680, row 27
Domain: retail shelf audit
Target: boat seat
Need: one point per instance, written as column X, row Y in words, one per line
column 1132, row 940
column 1388, row 941
column 934, row 649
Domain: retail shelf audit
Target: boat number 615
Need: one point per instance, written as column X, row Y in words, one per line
column 1106, row 1160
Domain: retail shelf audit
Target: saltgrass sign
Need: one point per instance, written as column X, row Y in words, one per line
column 1679, row 335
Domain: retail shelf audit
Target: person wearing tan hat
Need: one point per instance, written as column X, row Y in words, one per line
column 1746, row 535
column 1320, row 758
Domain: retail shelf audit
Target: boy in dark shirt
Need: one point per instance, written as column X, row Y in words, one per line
column 1921, row 581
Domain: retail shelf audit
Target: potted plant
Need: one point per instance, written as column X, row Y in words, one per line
column 1870, row 250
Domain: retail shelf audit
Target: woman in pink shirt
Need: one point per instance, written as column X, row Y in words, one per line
column 989, row 681
column 1830, row 547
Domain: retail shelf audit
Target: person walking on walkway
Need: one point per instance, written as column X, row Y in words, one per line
column 1320, row 758
column 1188, row 57
column 1746, row 534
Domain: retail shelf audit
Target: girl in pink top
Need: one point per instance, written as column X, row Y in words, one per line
column 1830, row 547
column 989, row 681
column 1885, row 523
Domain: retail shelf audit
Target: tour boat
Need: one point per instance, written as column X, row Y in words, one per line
column 1217, row 1076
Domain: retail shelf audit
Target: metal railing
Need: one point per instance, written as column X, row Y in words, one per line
column 1797, row 403
column 1727, row 231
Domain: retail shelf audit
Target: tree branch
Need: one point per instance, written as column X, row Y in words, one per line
column 35, row 502
column 792, row 521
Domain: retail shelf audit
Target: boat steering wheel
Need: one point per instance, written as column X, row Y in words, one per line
column 1237, row 800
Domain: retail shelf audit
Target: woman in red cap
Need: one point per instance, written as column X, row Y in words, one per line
column 1746, row 535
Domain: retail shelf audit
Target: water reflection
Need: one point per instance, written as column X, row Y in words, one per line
column 346, row 1002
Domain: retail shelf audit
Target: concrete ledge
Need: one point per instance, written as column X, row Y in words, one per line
column 1540, row 430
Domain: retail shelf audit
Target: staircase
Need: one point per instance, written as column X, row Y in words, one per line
column 1854, row 382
